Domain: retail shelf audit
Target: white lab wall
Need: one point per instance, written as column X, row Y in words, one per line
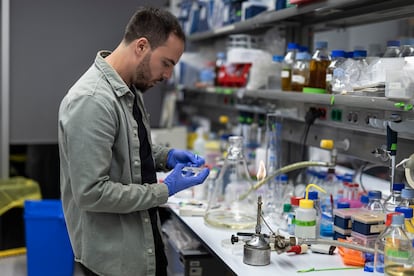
column 369, row 37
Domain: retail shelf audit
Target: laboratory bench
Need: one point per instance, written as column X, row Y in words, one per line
column 217, row 242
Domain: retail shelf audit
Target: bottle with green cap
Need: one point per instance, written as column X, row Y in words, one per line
column 305, row 216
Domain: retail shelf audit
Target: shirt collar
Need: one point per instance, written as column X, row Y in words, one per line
column 119, row 86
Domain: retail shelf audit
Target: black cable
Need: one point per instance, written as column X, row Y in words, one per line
column 311, row 115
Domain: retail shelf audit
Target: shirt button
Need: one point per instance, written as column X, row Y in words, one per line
column 136, row 163
column 146, row 220
column 150, row 250
column 135, row 133
column 130, row 105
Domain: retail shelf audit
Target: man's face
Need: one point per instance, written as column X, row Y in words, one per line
column 158, row 64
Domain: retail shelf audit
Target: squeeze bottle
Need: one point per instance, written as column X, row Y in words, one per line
column 305, row 218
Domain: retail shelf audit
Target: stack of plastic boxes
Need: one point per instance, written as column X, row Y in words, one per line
column 366, row 226
column 343, row 222
column 362, row 225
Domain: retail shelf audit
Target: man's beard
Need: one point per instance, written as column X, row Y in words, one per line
column 143, row 74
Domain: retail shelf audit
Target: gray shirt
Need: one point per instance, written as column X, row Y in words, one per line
column 104, row 200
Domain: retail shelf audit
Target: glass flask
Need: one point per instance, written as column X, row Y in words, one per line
column 229, row 207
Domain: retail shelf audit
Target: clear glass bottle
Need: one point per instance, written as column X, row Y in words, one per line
column 375, row 203
column 318, row 65
column 288, row 61
column 407, row 48
column 338, row 57
column 393, row 48
column 395, row 249
column 408, row 223
column 275, row 79
column 313, row 195
column 231, row 206
column 407, row 198
column 283, row 222
column 294, row 202
column 331, row 184
column 361, row 76
column 394, row 199
column 300, row 72
column 364, row 199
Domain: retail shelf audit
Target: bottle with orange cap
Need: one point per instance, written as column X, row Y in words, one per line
column 305, row 216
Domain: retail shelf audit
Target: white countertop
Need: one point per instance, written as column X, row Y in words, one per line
column 280, row 264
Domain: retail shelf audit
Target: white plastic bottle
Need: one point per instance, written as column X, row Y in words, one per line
column 305, row 217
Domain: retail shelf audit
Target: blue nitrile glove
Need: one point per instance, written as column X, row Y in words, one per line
column 186, row 157
column 177, row 180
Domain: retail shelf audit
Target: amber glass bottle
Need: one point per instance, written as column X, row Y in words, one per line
column 318, row 65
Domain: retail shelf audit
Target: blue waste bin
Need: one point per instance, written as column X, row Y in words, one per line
column 49, row 252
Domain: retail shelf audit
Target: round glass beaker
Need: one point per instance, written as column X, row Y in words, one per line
column 226, row 208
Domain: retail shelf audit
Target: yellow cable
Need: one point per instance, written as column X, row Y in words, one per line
column 12, row 252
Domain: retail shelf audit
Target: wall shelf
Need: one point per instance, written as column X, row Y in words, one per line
column 355, row 113
column 321, row 15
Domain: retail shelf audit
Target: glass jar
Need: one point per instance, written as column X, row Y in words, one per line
column 318, row 65
column 394, row 249
column 300, row 72
column 232, row 204
column 288, row 61
column 338, row 57
column 395, row 197
column 375, row 203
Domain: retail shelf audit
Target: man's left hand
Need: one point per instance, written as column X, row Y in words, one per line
column 186, row 157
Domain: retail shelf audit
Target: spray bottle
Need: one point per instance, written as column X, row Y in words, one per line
column 305, row 218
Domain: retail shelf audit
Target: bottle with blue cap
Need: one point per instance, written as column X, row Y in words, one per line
column 338, row 58
column 360, row 57
column 300, row 72
column 394, row 199
column 407, row 198
column 313, row 195
column 284, row 189
column 408, row 224
column 364, row 201
column 274, row 80
column 393, row 49
column 288, row 61
column 393, row 248
column 375, row 203
column 407, row 47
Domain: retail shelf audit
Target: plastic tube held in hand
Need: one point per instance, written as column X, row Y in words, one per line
column 177, row 180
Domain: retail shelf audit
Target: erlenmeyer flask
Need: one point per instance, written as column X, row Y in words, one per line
column 226, row 209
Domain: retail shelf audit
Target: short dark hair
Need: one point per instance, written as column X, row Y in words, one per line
column 154, row 24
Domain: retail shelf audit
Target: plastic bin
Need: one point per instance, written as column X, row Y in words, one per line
column 49, row 251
